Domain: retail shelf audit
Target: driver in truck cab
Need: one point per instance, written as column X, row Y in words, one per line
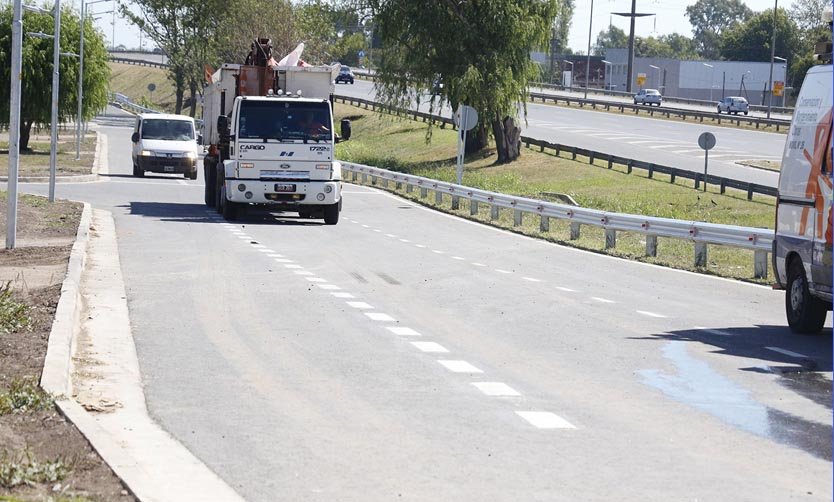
column 312, row 125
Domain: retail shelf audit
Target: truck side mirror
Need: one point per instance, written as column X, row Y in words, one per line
column 222, row 123
column 135, row 137
column 199, row 139
column 345, row 129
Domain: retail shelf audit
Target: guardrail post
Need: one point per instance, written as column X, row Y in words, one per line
column 354, row 176
column 424, row 192
column 630, row 165
column 493, row 212
column 455, row 202
column 672, row 177
column 573, row 152
column 697, row 180
column 651, row 245
column 438, row 197
column 373, row 180
column 544, row 225
column 700, row 254
column 517, row 217
column 723, row 185
column 749, row 191
column 574, row 231
column 610, row 238
column 473, row 207
column 651, row 170
column 364, row 177
column 558, row 149
column 759, row 264
column 384, row 183
column 610, row 162
column 409, row 188
column 591, row 158
column 398, row 186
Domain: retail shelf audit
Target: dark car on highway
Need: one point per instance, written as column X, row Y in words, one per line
column 345, row 75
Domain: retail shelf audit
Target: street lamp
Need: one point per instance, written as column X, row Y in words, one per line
column 79, row 130
column 607, row 72
column 785, row 66
column 711, row 79
column 570, row 86
column 588, row 60
column 772, row 57
column 657, row 79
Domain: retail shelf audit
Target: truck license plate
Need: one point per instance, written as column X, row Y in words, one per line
column 169, row 169
column 281, row 187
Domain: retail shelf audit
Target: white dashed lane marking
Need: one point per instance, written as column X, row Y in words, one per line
column 566, row 290
column 495, row 389
column 430, row 347
column 292, row 266
column 651, row 314
column 401, row 240
column 342, row 294
column 330, row 287
column 273, row 255
column 386, row 235
column 459, row 366
column 478, row 264
column 437, row 251
column 531, row 279
column 378, row 316
column 280, row 260
column 713, row 331
column 502, row 271
column 316, row 279
column 458, row 258
column 421, row 246
column 359, row 305
column 788, row 353
column 602, row 300
column 545, row 420
column 303, row 272
column 403, row 331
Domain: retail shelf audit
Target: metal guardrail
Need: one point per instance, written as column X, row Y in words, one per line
column 139, row 62
column 611, row 160
column 125, row 103
column 672, row 99
column 668, row 112
column 701, row 234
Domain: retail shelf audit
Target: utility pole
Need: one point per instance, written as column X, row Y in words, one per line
column 79, row 118
column 588, row 61
column 633, row 15
column 772, row 56
column 56, row 77
column 14, row 122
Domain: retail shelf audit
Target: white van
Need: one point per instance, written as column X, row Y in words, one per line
column 164, row 143
column 802, row 247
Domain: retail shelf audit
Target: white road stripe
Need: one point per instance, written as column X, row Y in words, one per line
column 454, row 257
column 714, row 331
column 459, row 366
column 417, row 245
column 262, row 250
column 473, row 263
column 375, row 230
column 278, row 260
column 242, row 237
column 342, row 294
column 495, row 389
column 433, row 250
column 531, row 279
column 292, row 265
column 298, row 272
column 430, row 347
column 660, row 146
column 401, row 240
column 313, row 279
column 273, row 255
column 378, row 316
column 566, row 290
column 788, row 353
column 254, row 244
column 386, row 235
column 651, row 314
column 596, row 298
column 679, row 151
column 357, row 305
column 329, row 287
column 545, row 420
column 399, row 330
column 502, row 271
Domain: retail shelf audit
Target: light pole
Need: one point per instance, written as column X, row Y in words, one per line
column 588, row 60
column 711, row 79
column 607, row 72
column 79, row 129
column 785, row 85
column 14, row 122
column 772, row 56
column 570, row 86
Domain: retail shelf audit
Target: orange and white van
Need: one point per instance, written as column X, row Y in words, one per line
column 802, row 244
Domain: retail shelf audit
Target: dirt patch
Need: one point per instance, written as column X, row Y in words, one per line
column 768, row 165
column 35, row 271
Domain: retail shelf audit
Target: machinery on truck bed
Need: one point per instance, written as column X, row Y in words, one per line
column 269, row 131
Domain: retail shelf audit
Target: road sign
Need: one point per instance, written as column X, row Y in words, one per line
column 466, row 117
column 641, row 79
column 707, row 142
column 151, row 87
column 778, row 88
column 361, row 54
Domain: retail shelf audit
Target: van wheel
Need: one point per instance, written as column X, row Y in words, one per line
column 806, row 313
column 745, row 113
column 331, row 214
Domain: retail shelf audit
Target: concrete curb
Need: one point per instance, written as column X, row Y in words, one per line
column 92, row 309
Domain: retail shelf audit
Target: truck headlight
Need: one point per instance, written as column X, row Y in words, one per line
column 147, row 153
column 191, row 155
column 246, row 165
column 328, row 188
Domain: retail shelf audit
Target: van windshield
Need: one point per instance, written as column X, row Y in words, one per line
column 285, row 121
column 167, row 129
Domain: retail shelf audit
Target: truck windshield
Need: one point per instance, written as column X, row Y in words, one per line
column 167, row 129
column 285, row 121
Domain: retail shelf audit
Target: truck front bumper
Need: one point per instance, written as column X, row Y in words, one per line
column 267, row 192
column 178, row 165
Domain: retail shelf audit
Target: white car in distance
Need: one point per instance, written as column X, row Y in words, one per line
column 648, row 97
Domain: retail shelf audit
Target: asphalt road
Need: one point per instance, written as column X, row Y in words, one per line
column 404, row 354
column 664, row 142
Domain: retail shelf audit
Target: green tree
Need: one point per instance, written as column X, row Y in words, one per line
column 561, row 27
column 710, row 18
column 481, row 49
column 36, row 78
column 612, row 38
column 751, row 40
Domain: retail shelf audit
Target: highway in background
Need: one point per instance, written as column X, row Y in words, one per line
column 408, row 355
column 666, row 142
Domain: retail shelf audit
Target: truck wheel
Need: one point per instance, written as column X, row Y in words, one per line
column 219, row 190
column 228, row 208
column 209, row 175
column 192, row 175
column 331, row 214
column 139, row 173
column 806, row 313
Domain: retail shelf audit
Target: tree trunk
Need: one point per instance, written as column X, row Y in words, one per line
column 192, row 87
column 507, row 139
column 179, row 83
column 476, row 139
column 25, row 132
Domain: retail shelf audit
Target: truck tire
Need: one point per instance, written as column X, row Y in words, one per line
column 209, row 175
column 228, row 209
column 138, row 172
column 219, row 189
column 331, row 214
column 805, row 313
column 192, row 175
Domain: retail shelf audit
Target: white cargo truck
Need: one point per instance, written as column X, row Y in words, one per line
column 271, row 143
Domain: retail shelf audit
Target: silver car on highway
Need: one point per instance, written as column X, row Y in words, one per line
column 733, row 104
column 648, row 97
